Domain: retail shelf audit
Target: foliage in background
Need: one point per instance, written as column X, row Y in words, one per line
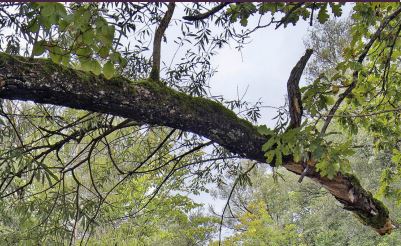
column 311, row 216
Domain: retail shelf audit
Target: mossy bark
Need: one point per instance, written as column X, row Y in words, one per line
column 42, row 81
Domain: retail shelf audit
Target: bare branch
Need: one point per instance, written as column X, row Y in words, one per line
column 289, row 13
column 76, row 216
column 294, row 95
column 386, row 111
column 207, row 14
column 155, row 73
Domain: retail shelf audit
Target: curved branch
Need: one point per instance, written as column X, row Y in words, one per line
column 207, row 14
column 294, row 95
column 155, row 73
column 148, row 102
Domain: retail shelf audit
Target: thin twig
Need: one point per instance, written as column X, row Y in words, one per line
column 365, row 115
column 289, row 13
column 229, row 197
column 76, row 216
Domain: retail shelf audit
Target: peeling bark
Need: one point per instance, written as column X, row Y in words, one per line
column 294, row 95
column 145, row 101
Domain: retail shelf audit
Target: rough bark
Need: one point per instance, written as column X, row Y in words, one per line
column 294, row 94
column 145, row 101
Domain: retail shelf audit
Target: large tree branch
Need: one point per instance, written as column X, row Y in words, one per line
column 150, row 102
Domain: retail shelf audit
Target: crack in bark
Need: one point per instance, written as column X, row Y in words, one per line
column 148, row 102
column 295, row 100
column 294, row 95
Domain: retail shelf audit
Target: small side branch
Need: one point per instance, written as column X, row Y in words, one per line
column 304, row 172
column 288, row 15
column 295, row 99
column 294, row 95
column 355, row 75
column 155, row 73
column 207, row 14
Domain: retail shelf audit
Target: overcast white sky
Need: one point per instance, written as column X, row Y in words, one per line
column 262, row 71
column 263, row 68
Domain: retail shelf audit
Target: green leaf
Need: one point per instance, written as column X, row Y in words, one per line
column 59, row 9
column 47, row 9
column 279, row 158
column 329, row 100
column 104, row 52
column 323, row 16
column 49, row 172
column 396, row 158
column 95, row 67
column 336, row 9
column 286, row 150
column 108, row 70
column 318, row 152
column 85, row 64
column 269, row 144
column 327, row 168
column 244, row 22
column 269, row 156
column 297, row 155
column 33, row 26
column 84, row 52
column 345, row 166
column 88, row 37
column 356, row 66
column 39, row 48
column 262, row 129
column 65, row 59
column 56, row 58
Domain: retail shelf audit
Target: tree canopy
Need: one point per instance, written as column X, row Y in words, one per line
column 98, row 129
